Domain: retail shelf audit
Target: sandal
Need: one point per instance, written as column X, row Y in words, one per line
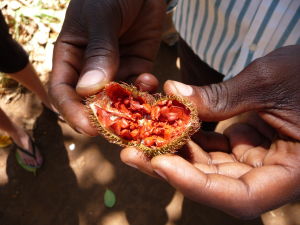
column 29, row 168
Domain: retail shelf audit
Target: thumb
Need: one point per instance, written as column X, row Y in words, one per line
column 101, row 60
column 223, row 100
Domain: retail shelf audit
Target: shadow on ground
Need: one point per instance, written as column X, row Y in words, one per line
column 69, row 189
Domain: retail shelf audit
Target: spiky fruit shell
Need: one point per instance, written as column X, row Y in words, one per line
column 192, row 127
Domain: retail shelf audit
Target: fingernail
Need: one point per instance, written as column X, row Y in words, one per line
column 161, row 174
column 92, row 78
column 80, row 131
column 182, row 89
column 131, row 165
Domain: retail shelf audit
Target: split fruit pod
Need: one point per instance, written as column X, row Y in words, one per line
column 155, row 124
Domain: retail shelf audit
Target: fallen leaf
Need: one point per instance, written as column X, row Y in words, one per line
column 109, row 198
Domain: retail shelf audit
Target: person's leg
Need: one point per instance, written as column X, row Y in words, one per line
column 21, row 138
column 29, row 79
column 14, row 61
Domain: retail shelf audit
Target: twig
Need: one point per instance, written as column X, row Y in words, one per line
column 23, row 2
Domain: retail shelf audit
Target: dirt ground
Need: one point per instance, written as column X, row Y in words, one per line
column 69, row 188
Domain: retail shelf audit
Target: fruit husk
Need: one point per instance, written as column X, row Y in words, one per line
column 172, row 147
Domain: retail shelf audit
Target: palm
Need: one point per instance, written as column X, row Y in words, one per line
column 257, row 172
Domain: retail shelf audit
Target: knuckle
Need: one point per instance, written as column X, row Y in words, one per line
column 269, row 84
column 216, row 97
column 263, row 69
column 98, row 47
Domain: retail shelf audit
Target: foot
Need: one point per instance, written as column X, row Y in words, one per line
column 23, row 140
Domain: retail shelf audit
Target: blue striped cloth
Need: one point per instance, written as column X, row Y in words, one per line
column 229, row 34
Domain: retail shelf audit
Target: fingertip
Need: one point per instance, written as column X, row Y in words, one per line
column 86, row 130
column 147, row 82
column 167, row 166
column 163, row 162
column 172, row 87
column 83, row 125
column 137, row 159
column 91, row 82
column 75, row 114
column 168, row 87
column 129, row 155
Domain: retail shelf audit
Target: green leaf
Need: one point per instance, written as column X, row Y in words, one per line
column 109, row 198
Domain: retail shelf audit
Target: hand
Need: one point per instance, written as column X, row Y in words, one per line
column 101, row 41
column 261, row 169
column 269, row 86
column 259, row 172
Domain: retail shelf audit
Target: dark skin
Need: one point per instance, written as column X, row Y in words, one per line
column 102, row 41
column 254, row 166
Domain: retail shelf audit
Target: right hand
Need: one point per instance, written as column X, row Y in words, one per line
column 258, row 171
column 268, row 86
column 101, row 41
column 255, row 165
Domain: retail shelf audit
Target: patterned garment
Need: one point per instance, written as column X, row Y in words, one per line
column 229, row 34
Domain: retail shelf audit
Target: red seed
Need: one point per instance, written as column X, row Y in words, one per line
column 149, row 141
column 134, row 105
column 117, row 128
column 132, row 126
column 170, row 102
column 126, row 101
column 161, row 131
column 163, row 102
column 147, row 134
column 164, row 110
column 124, row 123
column 137, row 116
column 179, row 122
column 116, row 105
column 167, row 134
column 124, row 109
column 125, row 134
column 147, row 108
column 160, row 141
column 155, row 113
column 172, row 116
column 134, row 133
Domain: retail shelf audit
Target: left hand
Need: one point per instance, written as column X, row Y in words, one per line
column 102, row 41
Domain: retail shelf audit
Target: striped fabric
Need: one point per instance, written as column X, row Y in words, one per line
column 229, row 34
